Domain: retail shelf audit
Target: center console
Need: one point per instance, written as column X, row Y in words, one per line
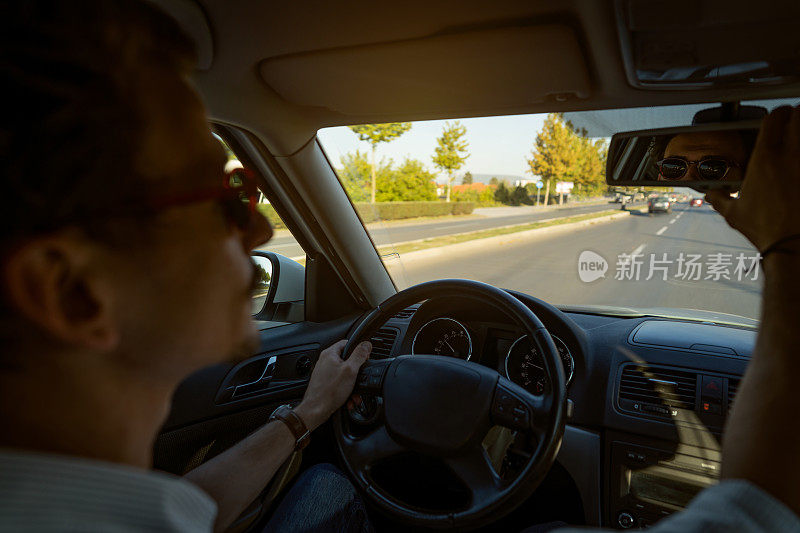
column 649, row 482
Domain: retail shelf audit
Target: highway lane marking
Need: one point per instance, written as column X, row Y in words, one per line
column 662, row 230
column 626, row 259
column 673, row 220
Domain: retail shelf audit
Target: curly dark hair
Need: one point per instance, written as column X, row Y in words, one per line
column 72, row 125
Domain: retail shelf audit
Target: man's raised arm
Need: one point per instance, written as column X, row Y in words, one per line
column 762, row 438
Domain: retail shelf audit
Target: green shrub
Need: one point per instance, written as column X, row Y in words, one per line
column 389, row 210
column 400, row 210
column 268, row 211
column 463, row 208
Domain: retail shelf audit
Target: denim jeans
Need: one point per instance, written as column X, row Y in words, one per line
column 322, row 500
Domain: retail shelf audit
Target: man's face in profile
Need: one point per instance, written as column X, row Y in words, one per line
column 715, row 146
column 190, row 297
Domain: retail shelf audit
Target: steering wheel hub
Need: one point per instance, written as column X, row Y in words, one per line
column 418, row 389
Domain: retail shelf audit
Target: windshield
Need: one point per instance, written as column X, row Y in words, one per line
column 520, row 202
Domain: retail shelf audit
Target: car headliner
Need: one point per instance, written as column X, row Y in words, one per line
column 286, row 69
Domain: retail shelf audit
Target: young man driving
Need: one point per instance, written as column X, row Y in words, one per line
column 125, row 267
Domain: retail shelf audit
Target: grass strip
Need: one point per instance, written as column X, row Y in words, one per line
column 435, row 242
column 444, row 240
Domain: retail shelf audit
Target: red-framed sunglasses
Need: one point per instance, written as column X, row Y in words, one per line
column 708, row 168
column 237, row 195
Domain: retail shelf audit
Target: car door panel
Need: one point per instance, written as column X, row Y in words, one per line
column 207, row 417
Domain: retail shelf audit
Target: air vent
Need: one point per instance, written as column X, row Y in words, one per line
column 733, row 388
column 406, row 313
column 383, row 342
column 657, row 390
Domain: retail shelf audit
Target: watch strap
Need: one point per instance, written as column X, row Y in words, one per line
column 286, row 414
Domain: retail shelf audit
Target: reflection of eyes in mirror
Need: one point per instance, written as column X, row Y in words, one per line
column 702, row 155
column 707, row 153
column 261, row 283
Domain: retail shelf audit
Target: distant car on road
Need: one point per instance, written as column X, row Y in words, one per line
column 696, row 202
column 660, row 204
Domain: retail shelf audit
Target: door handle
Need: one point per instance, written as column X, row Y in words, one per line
column 259, row 384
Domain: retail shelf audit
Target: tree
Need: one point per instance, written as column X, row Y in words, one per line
column 519, row 196
column 467, row 179
column 410, row 182
column 591, row 180
column 375, row 134
column 502, row 194
column 451, row 152
column 565, row 154
column 356, row 174
column 494, row 181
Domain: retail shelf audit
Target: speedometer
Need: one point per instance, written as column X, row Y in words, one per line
column 443, row 336
column 524, row 364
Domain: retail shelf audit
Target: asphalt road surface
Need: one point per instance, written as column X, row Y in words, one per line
column 392, row 234
column 547, row 266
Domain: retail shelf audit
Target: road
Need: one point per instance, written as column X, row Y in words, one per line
column 284, row 244
column 547, row 267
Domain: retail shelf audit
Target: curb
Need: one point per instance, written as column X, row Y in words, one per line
column 510, row 237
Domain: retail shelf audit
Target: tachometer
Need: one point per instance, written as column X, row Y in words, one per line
column 443, row 336
column 524, row 364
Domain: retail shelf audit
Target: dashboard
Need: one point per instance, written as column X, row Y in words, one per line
column 650, row 393
column 513, row 356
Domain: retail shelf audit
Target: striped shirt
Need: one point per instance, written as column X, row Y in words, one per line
column 49, row 493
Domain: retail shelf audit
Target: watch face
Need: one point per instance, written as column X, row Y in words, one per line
column 280, row 407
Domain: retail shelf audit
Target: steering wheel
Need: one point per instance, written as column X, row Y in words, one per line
column 443, row 407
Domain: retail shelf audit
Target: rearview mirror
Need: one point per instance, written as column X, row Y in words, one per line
column 705, row 156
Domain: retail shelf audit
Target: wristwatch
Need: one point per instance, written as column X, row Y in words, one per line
column 286, row 414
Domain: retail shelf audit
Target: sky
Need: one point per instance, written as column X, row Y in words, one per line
column 497, row 145
column 500, row 145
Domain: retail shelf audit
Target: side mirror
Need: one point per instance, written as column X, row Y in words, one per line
column 279, row 292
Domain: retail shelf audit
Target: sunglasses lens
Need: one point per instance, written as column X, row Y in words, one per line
column 237, row 211
column 712, row 169
column 673, row 168
column 241, row 203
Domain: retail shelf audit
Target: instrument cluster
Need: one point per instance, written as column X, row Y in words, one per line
column 521, row 362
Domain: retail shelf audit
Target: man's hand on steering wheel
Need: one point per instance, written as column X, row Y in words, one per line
column 331, row 382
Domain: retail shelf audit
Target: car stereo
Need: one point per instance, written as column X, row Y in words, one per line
column 649, row 484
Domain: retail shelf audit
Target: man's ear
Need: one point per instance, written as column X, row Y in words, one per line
column 52, row 283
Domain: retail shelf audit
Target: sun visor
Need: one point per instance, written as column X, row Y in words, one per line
column 497, row 68
column 697, row 44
